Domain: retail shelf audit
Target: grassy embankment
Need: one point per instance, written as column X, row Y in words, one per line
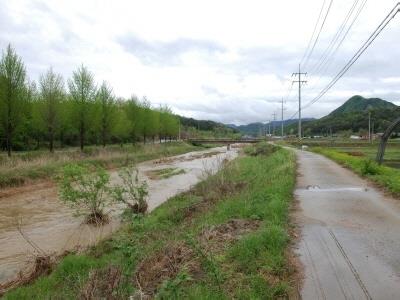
column 34, row 165
column 362, row 164
column 226, row 238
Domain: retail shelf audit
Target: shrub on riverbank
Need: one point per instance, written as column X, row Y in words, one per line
column 86, row 190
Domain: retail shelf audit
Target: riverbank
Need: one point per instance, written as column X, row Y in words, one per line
column 32, row 166
column 228, row 237
column 36, row 212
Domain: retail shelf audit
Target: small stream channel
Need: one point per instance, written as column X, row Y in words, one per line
column 51, row 225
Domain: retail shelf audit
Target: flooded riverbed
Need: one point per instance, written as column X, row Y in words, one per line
column 46, row 221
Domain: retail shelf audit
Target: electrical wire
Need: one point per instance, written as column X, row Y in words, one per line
column 333, row 41
column 357, row 55
column 319, row 33
column 313, row 33
column 325, row 67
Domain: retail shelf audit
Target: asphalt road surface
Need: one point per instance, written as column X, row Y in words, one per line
column 350, row 241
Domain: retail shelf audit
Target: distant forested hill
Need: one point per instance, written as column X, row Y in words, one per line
column 205, row 125
column 360, row 104
column 255, row 129
column 353, row 116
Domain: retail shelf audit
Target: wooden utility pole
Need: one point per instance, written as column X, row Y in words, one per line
column 300, row 82
column 369, row 126
column 282, row 120
column 273, row 124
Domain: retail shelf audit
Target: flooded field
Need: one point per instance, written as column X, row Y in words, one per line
column 36, row 212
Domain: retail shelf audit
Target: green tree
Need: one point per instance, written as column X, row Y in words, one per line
column 145, row 119
column 122, row 129
column 82, row 90
column 134, row 113
column 51, row 95
column 12, row 90
column 105, row 99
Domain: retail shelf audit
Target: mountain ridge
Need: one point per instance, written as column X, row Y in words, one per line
column 352, row 116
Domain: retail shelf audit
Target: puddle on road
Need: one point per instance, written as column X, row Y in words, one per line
column 52, row 226
column 316, row 188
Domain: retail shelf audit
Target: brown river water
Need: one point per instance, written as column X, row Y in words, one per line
column 52, row 226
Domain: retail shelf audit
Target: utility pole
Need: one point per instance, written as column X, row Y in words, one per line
column 282, row 121
column 369, row 126
column 273, row 123
column 179, row 132
column 300, row 82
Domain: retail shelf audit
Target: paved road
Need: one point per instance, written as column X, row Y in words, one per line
column 350, row 244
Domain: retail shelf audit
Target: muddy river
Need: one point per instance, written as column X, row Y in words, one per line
column 37, row 213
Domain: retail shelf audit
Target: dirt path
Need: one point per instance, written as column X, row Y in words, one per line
column 52, row 226
column 350, row 244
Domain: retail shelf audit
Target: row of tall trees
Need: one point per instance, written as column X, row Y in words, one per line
column 78, row 112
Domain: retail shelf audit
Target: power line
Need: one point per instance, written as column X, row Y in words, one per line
column 324, row 68
column 357, row 55
column 319, row 33
column 333, row 41
column 313, row 33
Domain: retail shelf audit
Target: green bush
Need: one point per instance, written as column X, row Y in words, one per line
column 369, row 167
column 85, row 189
column 132, row 192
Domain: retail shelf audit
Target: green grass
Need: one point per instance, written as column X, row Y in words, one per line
column 257, row 189
column 386, row 177
column 30, row 166
column 354, row 148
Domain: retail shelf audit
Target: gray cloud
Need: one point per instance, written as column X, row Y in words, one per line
column 165, row 53
column 66, row 48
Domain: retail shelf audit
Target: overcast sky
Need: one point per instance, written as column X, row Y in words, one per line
column 228, row 61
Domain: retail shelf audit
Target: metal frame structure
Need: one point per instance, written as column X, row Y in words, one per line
column 384, row 139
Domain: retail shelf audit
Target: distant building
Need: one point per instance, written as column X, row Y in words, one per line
column 355, row 137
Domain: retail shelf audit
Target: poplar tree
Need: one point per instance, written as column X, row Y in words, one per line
column 51, row 96
column 82, row 90
column 12, row 90
column 106, row 103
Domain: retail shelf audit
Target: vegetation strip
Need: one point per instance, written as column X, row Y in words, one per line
column 38, row 165
column 385, row 177
column 164, row 173
column 226, row 238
